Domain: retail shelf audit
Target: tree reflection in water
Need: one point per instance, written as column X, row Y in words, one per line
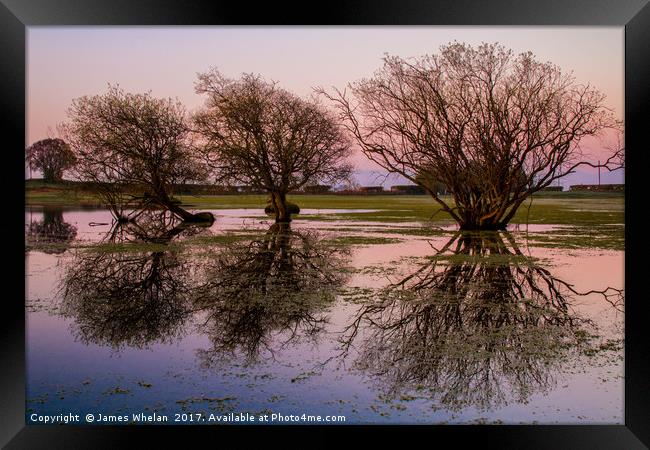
column 263, row 294
column 244, row 294
column 477, row 325
column 52, row 234
column 131, row 296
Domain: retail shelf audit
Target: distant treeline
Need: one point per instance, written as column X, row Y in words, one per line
column 598, row 187
column 212, row 189
column 177, row 189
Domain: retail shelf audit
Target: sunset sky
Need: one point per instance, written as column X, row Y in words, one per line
column 68, row 62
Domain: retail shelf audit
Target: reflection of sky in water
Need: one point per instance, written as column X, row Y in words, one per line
column 66, row 375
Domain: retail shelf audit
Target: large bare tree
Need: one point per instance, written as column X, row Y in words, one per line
column 492, row 126
column 125, row 142
column 260, row 135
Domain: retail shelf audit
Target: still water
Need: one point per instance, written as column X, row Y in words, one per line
column 380, row 323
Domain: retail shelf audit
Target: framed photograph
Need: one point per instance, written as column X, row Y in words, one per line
column 410, row 216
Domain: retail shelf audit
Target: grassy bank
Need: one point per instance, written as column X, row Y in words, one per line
column 564, row 208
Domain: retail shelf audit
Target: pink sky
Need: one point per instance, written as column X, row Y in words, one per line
column 68, row 62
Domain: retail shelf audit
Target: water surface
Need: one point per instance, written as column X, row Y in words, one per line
column 379, row 322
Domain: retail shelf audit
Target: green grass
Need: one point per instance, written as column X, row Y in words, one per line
column 41, row 193
column 561, row 208
column 567, row 209
column 607, row 237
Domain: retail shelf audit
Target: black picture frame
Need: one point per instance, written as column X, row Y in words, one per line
column 16, row 15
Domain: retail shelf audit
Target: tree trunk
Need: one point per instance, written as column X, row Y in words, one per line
column 282, row 214
column 481, row 218
column 166, row 202
column 180, row 212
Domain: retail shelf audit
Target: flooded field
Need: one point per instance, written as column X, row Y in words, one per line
column 341, row 313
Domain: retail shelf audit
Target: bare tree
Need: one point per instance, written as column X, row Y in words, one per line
column 52, row 157
column 258, row 134
column 125, row 142
column 492, row 126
